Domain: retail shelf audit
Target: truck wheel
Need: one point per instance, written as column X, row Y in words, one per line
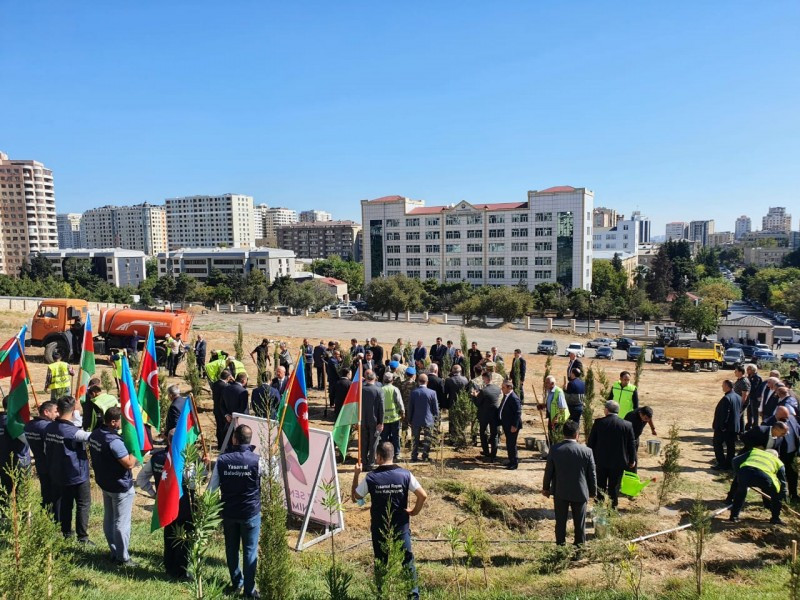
column 59, row 346
column 696, row 368
column 714, row 367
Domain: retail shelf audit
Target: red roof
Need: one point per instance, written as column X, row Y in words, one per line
column 557, row 189
column 332, row 281
column 432, row 210
column 386, row 199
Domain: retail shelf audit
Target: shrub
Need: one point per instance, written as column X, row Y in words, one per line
column 462, row 414
column 238, row 345
column 670, row 465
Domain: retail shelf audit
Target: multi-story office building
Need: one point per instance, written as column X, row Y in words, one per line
column 140, row 227
column 700, row 230
column 259, row 221
column 720, row 238
column 604, row 217
column 118, row 266
column 314, row 216
column 547, row 238
column 210, row 221
column 276, row 217
column 622, row 238
column 743, row 226
column 777, row 219
column 27, row 212
column 644, row 226
column 765, row 257
column 320, row 239
column 199, row 262
column 677, row 230
column 69, row 230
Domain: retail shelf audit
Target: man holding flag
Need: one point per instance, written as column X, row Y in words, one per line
column 148, row 392
column 294, row 412
column 349, row 415
column 133, row 434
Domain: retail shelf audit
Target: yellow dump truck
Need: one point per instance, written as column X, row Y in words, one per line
column 693, row 356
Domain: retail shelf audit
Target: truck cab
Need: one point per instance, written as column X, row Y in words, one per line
column 50, row 327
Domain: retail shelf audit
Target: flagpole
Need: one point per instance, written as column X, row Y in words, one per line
column 285, row 400
column 141, row 362
column 360, row 394
column 27, row 373
column 199, row 427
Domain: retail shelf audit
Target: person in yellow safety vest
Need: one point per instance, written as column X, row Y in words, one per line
column 236, row 367
column 624, row 393
column 116, row 362
column 57, row 381
column 95, row 407
column 393, row 411
column 761, row 469
column 555, row 403
column 216, row 366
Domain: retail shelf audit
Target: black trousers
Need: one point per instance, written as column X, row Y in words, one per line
column 176, row 552
column 489, row 438
column 562, row 508
column 320, row 378
column 201, row 365
column 46, row 487
column 724, row 448
column 609, row 480
column 511, row 445
column 64, row 497
column 748, row 477
column 307, row 366
column 791, row 473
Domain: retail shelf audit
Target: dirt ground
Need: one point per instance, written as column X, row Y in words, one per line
column 686, row 399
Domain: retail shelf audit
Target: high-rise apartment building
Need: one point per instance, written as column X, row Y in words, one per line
column 720, row 238
column 547, row 238
column 259, row 221
column 677, row 230
column 777, row 219
column 700, row 230
column 644, row 226
column 141, row 227
column 210, row 221
column 622, row 238
column 604, row 217
column 27, row 212
column 320, row 239
column 743, row 226
column 69, row 230
column 315, row 216
column 276, row 217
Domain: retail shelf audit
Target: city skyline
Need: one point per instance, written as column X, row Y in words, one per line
column 670, row 113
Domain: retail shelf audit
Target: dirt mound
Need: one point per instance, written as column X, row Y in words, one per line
column 362, row 317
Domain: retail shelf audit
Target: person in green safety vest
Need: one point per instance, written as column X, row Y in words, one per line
column 393, row 411
column 116, row 362
column 624, row 393
column 95, row 407
column 763, row 470
column 555, row 403
column 219, row 362
column 57, row 381
column 236, row 367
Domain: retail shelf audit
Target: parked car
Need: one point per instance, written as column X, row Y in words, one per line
column 360, row 304
column 600, row 342
column 604, row 353
column 634, row 352
column 748, row 351
column 762, row 346
column 624, row 343
column 575, row 347
column 547, row 347
column 791, row 357
column 764, row 356
column 732, row 358
column 658, row 356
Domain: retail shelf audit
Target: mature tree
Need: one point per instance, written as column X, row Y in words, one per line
column 309, row 294
column 717, row 292
column 151, row 268
column 507, row 303
column 702, row 319
column 185, row 288
column 546, row 296
column 659, row 280
column 616, row 263
column 678, row 308
column 164, row 287
column 469, row 307
column 607, row 279
column 394, row 294
column 731, row 256
column 349, row 271
column 580, row 302
column 792, row 259
column 36, row 267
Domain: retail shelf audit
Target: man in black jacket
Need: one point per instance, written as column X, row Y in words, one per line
column 510, row 417
column 638, row 419
column 570, row 478
column 438, row 350
column 371, row 418
column 235, row 398
column 436, row 384
column 452, row 386
column 574, row 363
column 789, row 446
column 319, row 364
column 217, row 389
column 340, row 388
column 756, row 387
column 726, row 425
column 519, row 366
column 265, row 399
column 768, row 436
column 488, row 402
column 611, row 441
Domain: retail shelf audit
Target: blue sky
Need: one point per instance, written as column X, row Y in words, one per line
column 684, row 110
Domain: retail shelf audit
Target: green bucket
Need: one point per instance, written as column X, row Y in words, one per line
column 631, row 484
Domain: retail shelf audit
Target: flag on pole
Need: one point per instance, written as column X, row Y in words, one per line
column 294, row 407
column 170, row 488
column 133, row 434
column 348, row 415
column 12, row 364
column 87, row 360
column 148, row 392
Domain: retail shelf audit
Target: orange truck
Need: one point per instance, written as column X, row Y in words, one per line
column 50, row 328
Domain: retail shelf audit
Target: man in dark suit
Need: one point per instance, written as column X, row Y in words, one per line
column 767, row 436
column 200, row 354
column 281, row 380
column 355, row 348
column 377, row 351
column 574, row 363
column 265, row 399
column 611, row 441
column 518, row 368
column 474, row 357
column 217, row 389
column 235, row 398
column 769, row 397
column 369, row 362
column 510, row 417
column 333, row 362
column 319, row 364
column 756, row 388
column 452, row 386
column 438, row 350
column 488, row 402
column 420, row 352
column 340, row 388
column 726, row 425
column 436, row 384
column 177, row 402
column 371, row 418
column 570, row 479
column 787, row 451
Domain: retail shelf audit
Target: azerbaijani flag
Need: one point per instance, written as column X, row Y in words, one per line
column 170, row 488
column 294, row 407
column 148, row 392
column 13, row 365
column 349, row 415
column 133, row 433
column 87, row 360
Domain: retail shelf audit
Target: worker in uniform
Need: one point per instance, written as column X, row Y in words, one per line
column 237, row 475
column 761, row 469
column 393, row 411
column 35, row 435
column 65, row 448
column 213, row 367
column 14, row 452
column 95, row 407
column 624, row 393
column 236, row 366
column 116, row 362
column 555, row 403
column 388, row 487
column 176, row 552
column 112, row 465
column 57, row 381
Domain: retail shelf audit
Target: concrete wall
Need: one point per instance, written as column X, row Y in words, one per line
column 17, row 304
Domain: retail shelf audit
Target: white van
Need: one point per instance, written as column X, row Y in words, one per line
column 786, row 334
